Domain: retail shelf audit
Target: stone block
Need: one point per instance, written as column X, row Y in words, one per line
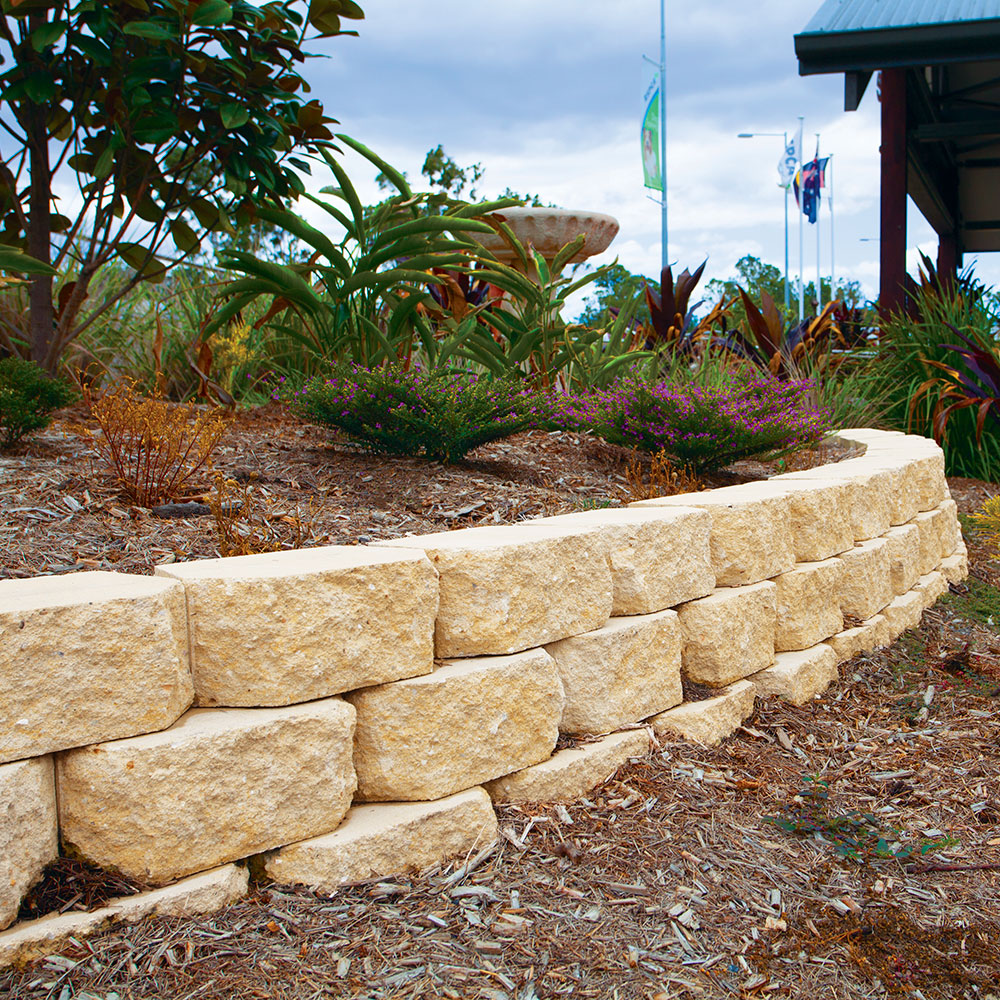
column 197, row 896
column 866, row 486
column 751, row 531
column 511, row 588
column 729, row 634
column 903, row 613
column 388, row 839
column 711, row 721
column 798, row 676
column 286, row 627
column 808, row 604
column 467, row 722
column 956, row 568
column 659, row 557
column 932, row 587
column 918, row 482
column 87, row 657
column 949, row 527
column 864, row 638
column 904, row 557
column 570, row 774
column 866, row 586
column 29, row 838
column 927, row 524
column 219, row 785
column 620, row 673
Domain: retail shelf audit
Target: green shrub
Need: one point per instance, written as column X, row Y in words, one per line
column 27, row 397
column 440, row 415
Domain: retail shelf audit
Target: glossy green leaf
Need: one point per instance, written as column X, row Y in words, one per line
column 47, row 34
column 184, row 236
column 234, row 115
column 212, row 13
column 147, row 29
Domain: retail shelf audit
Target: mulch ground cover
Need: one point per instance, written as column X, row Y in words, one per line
column 846, row 849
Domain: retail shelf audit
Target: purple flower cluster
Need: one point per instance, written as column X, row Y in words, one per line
column 705, row 428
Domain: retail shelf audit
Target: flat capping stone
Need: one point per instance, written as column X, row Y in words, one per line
column 740, row 495
column 68, row 590
column 633, row 514
column 490, row 536
column 295, row 562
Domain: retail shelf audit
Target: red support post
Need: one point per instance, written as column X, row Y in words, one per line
column 892, row 285
column 948, row 258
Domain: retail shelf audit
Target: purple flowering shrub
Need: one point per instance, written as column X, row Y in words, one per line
column 440, row 415
column 704, row 428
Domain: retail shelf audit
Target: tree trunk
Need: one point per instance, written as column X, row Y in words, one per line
column 41, row 323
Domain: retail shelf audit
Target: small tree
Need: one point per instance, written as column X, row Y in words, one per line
column 136, row 98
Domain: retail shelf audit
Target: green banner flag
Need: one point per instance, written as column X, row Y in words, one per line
column 651, row 172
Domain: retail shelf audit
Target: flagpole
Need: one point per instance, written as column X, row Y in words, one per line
column 801, row 231
column 829, row 167
column 819, row 272
column 787, row 292
column 664, row 230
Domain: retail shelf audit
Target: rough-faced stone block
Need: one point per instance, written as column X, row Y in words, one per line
column 286, row 627
column 864, row 638
column 729, row 634
column 949, row 527
column 903, row 613
column 467, row 722
column 808, row 604
column 658, row 557
column 751, row 531
column 956, row 568
column 29, row 838
column 929, row 528
column 904, row 557
column 388, row 839
column 798, row 676
column 570, row 774
column 866, row 487
column 620, row 673
column 866, row 586
column 511, row 588
column 192, row 897
column 219, row 785
column 918, row 481
column 87, row 657
column 932, row 587
column 711, row 721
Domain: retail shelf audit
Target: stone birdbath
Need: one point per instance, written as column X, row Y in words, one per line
column 548, row 230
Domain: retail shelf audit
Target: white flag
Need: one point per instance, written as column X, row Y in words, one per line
column 789, row 162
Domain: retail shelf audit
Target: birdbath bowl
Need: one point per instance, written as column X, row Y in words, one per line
column 548, row 230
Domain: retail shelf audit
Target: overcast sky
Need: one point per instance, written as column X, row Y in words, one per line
column 547, row 96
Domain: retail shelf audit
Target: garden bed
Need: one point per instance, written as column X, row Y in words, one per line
column 64, row 513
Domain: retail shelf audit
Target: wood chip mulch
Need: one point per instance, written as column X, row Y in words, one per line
column 848, row 849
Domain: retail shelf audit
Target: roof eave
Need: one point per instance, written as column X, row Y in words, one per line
column 921, row 45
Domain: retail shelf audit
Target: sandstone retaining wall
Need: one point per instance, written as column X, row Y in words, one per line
column 170, row 725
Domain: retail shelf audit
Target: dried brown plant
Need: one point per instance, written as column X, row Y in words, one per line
column 154, row 447
column 661, row 479
column 248, row 522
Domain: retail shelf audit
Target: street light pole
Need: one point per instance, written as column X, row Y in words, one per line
column 784, row 139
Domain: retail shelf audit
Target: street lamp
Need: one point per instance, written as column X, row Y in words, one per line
column 784, row 138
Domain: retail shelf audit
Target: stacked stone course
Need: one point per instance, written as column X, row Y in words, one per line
column 354, row 711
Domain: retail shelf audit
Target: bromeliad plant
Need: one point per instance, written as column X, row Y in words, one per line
column 440, row 415
column 746, row 413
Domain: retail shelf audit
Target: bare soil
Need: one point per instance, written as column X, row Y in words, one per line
column 700, row 872
column 64, row 511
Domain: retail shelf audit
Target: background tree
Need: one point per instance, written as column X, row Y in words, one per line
column 136, row 98
column 616, row 289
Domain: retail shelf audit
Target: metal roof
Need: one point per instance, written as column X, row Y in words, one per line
column 866, row 35
column 874, row 15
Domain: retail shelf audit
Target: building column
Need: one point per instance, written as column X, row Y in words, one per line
column 892, row 294
column 949, row 258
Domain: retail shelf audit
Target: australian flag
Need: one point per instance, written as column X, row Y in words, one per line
column 807, row 184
